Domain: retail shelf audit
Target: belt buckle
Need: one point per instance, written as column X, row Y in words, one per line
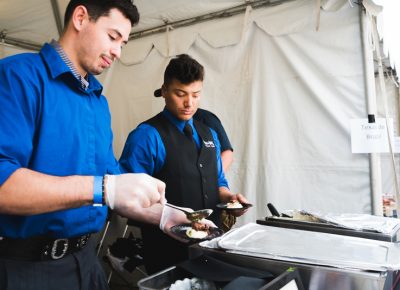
column 54, row 249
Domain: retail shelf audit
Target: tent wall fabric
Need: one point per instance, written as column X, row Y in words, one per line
column 285, row 80
column 285, row 99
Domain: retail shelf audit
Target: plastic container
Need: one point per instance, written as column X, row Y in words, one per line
column 163, row 280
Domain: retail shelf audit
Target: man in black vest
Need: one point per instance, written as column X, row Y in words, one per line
column 183, row 153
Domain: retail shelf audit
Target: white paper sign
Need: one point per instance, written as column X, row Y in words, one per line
column 371, row 137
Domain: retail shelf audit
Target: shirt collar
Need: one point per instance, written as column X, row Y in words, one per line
column 68, row 62
column 57, row 67
column 177, row 122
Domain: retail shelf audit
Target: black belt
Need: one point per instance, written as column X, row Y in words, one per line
column 40, row 248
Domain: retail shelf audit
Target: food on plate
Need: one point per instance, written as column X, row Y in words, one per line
column 234, row 204
column 198, row 231
column 186, row 232
column 194, row 234
column 198, row 226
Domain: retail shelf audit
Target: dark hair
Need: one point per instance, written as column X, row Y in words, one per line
column 98, row 8
column 184, row 69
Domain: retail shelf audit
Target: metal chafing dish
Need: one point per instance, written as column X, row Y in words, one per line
column 325, row 261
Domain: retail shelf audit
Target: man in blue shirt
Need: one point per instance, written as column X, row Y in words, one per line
column 211, row 120
column 183, row 153
column 57, row 168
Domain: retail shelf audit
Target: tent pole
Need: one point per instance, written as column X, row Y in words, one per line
column 20, row 43
column 255, row 4
column 57, row 17
column 374, row 158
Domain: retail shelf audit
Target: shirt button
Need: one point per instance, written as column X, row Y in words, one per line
column 201, row 165
column 206, row 196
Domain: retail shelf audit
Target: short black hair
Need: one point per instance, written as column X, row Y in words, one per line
column 98, row 8
column 184, row 69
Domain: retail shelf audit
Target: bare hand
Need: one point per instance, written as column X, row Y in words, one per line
column 242, row 199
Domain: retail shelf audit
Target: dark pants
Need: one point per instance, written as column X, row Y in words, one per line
column 76, row 271
column 160, row 250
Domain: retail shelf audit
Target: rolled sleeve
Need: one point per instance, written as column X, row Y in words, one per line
column 18, row 103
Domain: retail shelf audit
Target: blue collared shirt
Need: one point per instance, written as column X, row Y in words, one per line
column 50, row 124
column 144, row 151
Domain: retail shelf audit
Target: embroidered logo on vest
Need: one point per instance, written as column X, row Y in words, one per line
column 208, row 144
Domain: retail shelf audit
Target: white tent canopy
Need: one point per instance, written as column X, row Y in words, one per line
column 30, row 23
column 285, row 79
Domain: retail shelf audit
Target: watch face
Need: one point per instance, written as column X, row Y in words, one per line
column 185, row 231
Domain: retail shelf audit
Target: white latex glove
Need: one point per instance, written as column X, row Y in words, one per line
column 128, row 192
column 171, row 217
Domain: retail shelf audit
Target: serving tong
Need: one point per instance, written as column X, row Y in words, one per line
column 193, row 216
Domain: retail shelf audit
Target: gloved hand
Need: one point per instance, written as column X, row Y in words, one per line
column 171, row 217
column 128, row 192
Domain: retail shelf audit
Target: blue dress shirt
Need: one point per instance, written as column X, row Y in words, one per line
column 144, row 151
column 50, row 124
column 211, row 120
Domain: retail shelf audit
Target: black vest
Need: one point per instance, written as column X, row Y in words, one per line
column 191, row 177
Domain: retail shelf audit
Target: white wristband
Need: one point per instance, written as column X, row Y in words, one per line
column 110, row 190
